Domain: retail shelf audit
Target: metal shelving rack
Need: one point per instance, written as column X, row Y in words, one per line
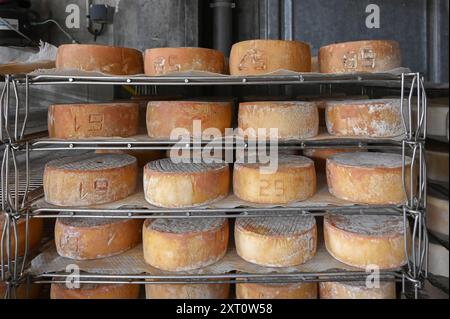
column 19, row 189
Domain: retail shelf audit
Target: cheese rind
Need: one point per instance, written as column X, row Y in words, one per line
column 276, row 291
column 161, row 61
column 365, row 118
column 320, row 155
column 293, row 120
column 165, row 116
column 167, row 184
column 264, row 56
column 95, row 291
column 74, row 121
column 100, row 58
column 184, row 244
column 369, row 178
column 356, row 290
column 187, row 291
column 293, row 180
column 89, row 179
column 276, row 241
column 360, row 56
column 366, row 240
column 92, row 238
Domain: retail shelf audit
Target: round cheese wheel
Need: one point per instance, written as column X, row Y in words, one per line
column 187, row 291
column 294, row 179
column 184, row 244
column 100, row 58
column 437, row 215
column 264, row 56
column 89, row 179
column 66, row 121
column 95, row 291
column 168, row 184
column 35, row 234
column 369, row 178
column 360, row 56
column 92, row 238
column 320, row 155
column 276, row 241
column 294, row 120
column 276, row 291
column 356, row 290
column 161, row 61
column 163, row 117
column 365, row 118
column 365, row 240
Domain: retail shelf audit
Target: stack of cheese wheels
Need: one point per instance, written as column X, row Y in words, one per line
column 437, row 215
column 100, row 58
column 89, row 179
column 365, row 118
column 369, row 178
column 277, row 291
column 35, row 233
column 265, row 56
column 161, row 61
column 184, row 243
column 95, row 291
column 293, row 120
column 320, row 155
column 360, row 56
column 290, row 178
column 367, row 240
column 66, row 121
column 356, row 290
column 187, row 291
column 168, row 184
column 92, row 238
column 276, row 241
column 175, row 119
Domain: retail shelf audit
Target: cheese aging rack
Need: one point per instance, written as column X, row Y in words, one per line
column 21, row 177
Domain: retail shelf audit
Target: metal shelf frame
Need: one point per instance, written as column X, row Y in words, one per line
column 16, row 187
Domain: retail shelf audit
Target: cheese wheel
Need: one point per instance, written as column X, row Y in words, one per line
column 437, row 165
column 161, row 61
column 35, row 234
column 276, row 241
column 168, row 184
column 369, row 178
column 294, row 179
column 360, row 56
column 73, row 121
column 437, row 215
column 92, row 238
column 187, row 291
column 364, row 118
column 294, row 120
column 264, row 56
column 95, row 291
column 320, row 155
column 100, row 58
column 89, row 179
column 276, row 291
column 356, row 290
column 184, row 244
column 165, row 116
column 365, row 240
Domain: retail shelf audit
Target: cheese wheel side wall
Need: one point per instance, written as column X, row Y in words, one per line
column 361, row 251
column 186, row 251
column 83, row 243
column 337, row 290
column 285, row 291
column 187, row 291
column 69, row 188
column 185, row 189
column 105, row 59
column 264, row 56
column 35, row 234
column 67, row 121
column 104, row 291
